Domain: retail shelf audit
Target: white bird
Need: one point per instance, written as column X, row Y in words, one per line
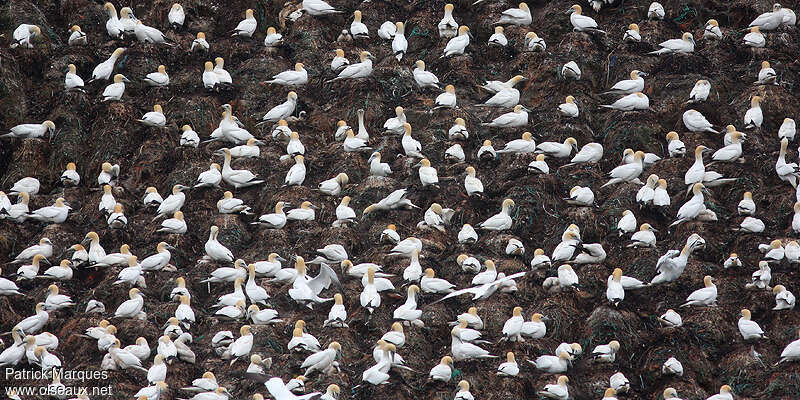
column 337, row 314
column 684, row 45
column 465, row 350
column 754, row 117
column 24, row 35
column 606, row 352
column 700, row 91
column 615, row 292
column 498, row 38
column 500, row 221
column 446, row 99
column 430, row 284
column 318, row 8
column 516, row 118
column 306, row 212
column 558, row 150
column 247, row 26
column 238, row 178
column 423, row 79
column 158, row 78
column 103, row 70
column 655, row 11
column 283, row 110
column 627, row 173
column 784, row 299
column 396, row 199
column 117, row 219
column 215, row 250
column 516, row 16
column 769, row 20
column 510, row 367
column 113, row 25
column 569, row 108
column 787, row 172
column 580, row 196
column 629, row 86
column 357, row 70
column 671, row 319
column 791, row 352
column 787, row 129
column 458, row 44
column 633, row 101
column 559, row 391
column 154, row 118
column 200, row 42
column 534, row 43
column 399, row 42
column 711, row 31
column 672, row 367
column 553, row 364
column 731, row 152
column 71, row 80
column 448, row 27
column 296, row 77
column 358, row 29
column 580, row 22
column 387, row 30
column 754, row 38
column 55, row 214
column 148, row 34
column 115, row 90
column 442, row 371
column 706, row 296
column 571, row 70
column 632, row 34
column 748, row 328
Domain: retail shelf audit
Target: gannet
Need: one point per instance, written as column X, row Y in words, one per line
column 632, row 34
column 725, row 392
column 223, row 76
column 296, row 77
column 318, row 8
column 302, row 341
column 306, row 212
column 103, row 70
column 30, row 271
column 128, row 20
column 787, row 129
column 262, row 317
column 675, row 146
column 748, row 328
column 463, row 392
column 512, row 328
column 238, row 178
column 500, row 221
column 796, row 217
column 790, row 353
column 789, row 17
column 56, row 301
column 448, row 27
column 148, row 34
column 174, row 225
column 553, row 364
column 17, row 212
column 241, row 347
column 255, row 293
column 71, row 80
column 754, row 38
column 387, row 30
column 154, row 118
column 580, row 22
column 411, row 146
column 486, row 152
column 774, row 252
column 580, row 196
column 446, row 99
column 539, row 165
column 44, row 247
column 769, row 20
column 141, row 349
column 132, row 274
column 297, row 173
column 24, row 35
column 540, row 260
column 711, row 30
column 132, row 307
column 176, row 16
column 699, row 92
column 96, row 251
column 443, row 370
column 498, row 38
column 158, row 371
column 615, row 292
column 247, row 26
column 606, row 352
column 488, row 276
column 218, row 252
column 234, row 312
column 684, row 45
column 424, row 79
column 472, row 184
column 629, row 86
column 558, row 150
column 357, row 28
column 787, row 172
column 399, row 42
column 458, row 44
column 396, row 199
column 210, row 78
column 568, row 108
column 55, row 214
column 671, row 319
column 395, row 124
column 671, row 265
column 358, row 70
column 270, row 266
column 696, row 172
column 274, row 39
column 534, row 43
column 732, row 261
column 276, row 220
column 458, row 131
column 376, row 167
column 516, row 118
column 354, row 144
column 27, row 184
column 655, row 11
column 784, row 299
column 510, row 367
column 405, row 248
column 558, row 391
column 427, row 174
column 200, row 42
column 634, row 101
column 117, row 219
column 465, row 350
column 571, row 70
column 113, row 24
column 158, row 78
column 627, row 172
column 430, row 284
column 754, row 117
column 337, row 314
column 174, row 202
column 694, row 207
column 644, row 237
column 295, row 147
column 471, row 264
column 731, row 152
column 344, row 213
column 706, row 296
column 516, row 16
column 115, row 90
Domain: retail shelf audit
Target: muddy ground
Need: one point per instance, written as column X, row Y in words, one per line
column 91, row 132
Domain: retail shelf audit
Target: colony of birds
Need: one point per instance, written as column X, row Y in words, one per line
column 370, row 199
